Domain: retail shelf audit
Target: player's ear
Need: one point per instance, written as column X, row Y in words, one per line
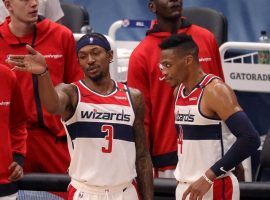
column 110, row 54
column 7, row 4
column 189, row 59
column 152, row 6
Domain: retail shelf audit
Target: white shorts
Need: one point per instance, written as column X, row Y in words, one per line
column 10, row 197
column 127, row 193
column 226, row 188
column 168, row 173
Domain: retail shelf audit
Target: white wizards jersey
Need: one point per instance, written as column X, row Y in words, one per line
column 100, row 137
column 202, row 140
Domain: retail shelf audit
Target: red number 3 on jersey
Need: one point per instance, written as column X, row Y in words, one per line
column 180, row 139
column 109, row 137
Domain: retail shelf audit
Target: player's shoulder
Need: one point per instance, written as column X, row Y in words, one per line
column 55, row 27
column 134, row 92
column 199, row 32
column 218, row 89
column 145, row 46
column 136, row 96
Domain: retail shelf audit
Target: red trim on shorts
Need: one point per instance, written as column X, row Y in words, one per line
column 157, row 170
column 171, row 167
column 223, row 189
column 71, row 192
column 63, row 195
column 134, row 183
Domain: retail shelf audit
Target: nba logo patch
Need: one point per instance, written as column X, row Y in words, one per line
column 91, row 40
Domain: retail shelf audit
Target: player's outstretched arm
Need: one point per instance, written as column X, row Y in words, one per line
column 54, row 101
column 143, row 160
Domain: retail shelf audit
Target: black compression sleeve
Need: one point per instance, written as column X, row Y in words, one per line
column 247, row 143
column 19, row 159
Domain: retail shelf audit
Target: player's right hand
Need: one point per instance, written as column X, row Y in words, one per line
column 33, row 62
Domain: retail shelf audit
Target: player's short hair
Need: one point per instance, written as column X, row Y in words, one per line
column 182, row 41
column 93, row 39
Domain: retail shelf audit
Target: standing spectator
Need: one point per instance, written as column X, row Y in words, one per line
column 13, row 134
column 46, row 143
column 50, row 9
column 104, row 124
column 144, row 74
column 206, row 114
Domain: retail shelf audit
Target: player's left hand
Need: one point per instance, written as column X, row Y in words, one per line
column 16, row 171
column 197, row 189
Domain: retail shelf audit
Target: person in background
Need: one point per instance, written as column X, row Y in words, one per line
column 50, row 9
column 206, row 114
column 104, row 124
column 144, row 74
column 46, row 142
column 13, row 134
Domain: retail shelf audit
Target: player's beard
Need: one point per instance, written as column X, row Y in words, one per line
column 97, row 78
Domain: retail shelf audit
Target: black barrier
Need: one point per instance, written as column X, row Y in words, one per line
column 163, row 187
column 44, row 182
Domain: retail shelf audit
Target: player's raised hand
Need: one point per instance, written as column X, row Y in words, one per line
column 33, row 62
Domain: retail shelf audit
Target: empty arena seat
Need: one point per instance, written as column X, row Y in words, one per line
column 76, row 17
column 210, row 19
column 264, row 158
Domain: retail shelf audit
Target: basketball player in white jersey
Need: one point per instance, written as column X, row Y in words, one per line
column 206, row 115
column 104, row 124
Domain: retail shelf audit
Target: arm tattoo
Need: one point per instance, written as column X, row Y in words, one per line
column 143, row 160
column 68, row 95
